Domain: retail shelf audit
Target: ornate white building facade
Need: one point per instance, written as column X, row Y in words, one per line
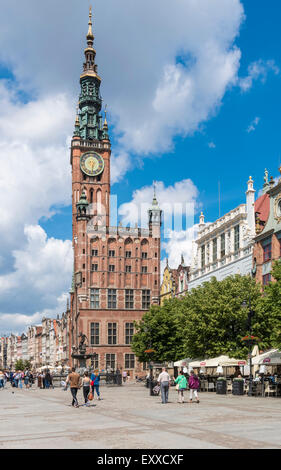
column 225, row 247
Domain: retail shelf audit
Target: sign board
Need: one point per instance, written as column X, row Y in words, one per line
column 266, row 360
column 241, row 363
column 202, row 363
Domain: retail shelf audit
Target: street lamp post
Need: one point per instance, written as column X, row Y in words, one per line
column 149, row 352
column 250, row 315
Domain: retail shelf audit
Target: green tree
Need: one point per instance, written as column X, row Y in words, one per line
column 270, row 305
column 27, row 365
column 162, row 330
column 21, row 364
column 216, row 321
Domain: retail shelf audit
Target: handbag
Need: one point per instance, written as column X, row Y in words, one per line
column 90, row 396
column 177, row 387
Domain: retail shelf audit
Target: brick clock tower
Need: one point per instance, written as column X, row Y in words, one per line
column 116, row 269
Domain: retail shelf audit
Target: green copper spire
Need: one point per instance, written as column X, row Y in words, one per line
column 105, row 126
column 76, row 132
column 90, row 102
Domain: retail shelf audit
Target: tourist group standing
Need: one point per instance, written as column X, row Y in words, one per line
column 17, row 379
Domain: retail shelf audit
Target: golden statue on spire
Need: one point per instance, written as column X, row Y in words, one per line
column 90, row 36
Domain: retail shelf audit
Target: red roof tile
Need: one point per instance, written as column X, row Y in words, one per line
column 262, row 207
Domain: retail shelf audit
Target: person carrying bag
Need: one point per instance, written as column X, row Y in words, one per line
column 181, row 386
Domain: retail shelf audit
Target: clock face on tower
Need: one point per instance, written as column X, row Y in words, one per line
column 91, row 163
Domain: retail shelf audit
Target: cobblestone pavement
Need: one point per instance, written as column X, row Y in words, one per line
column 128, row 418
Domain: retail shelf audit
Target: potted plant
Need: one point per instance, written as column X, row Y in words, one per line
column 221, row 386
column 238, row 386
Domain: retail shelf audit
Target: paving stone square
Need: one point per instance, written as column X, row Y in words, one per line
column 128, row 418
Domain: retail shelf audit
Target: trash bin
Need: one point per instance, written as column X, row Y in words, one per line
column 221, row 386
column 238, row 387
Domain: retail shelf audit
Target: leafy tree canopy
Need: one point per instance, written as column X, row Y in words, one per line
column 162, row 330
column 216, row 322
column 270, row 305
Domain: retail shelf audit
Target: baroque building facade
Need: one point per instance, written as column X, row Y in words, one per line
column 175, row 281
column 116, row 269
column 225, row 247
column 267, row 246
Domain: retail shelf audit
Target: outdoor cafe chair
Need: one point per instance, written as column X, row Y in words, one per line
column 229, row 386
column 270, row 389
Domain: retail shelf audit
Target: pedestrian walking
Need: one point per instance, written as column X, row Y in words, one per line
column 31, row 379
column 26, row 379
column 124, row 374
column 12, row 383
column 181, row 386
column 20, row 378
column 86, row 382
column 15, row 380
column 2, row 378
column 48, row 379
column 95, row 382
column 51, row 381
column 6, row 378
column 75, row 382
column 43, row 379
column 194, row 385
column 39, row 380
column 164, row 381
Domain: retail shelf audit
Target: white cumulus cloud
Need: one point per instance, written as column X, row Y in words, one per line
column 41, row 275
column 258, row 70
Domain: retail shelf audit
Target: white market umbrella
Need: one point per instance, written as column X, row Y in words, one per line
column 223, row 361
column 183, row 362
column 272, row 357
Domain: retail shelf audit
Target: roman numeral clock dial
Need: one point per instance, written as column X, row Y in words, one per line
column 92, row 164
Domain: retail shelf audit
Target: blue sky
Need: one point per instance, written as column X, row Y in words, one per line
column 193, row 94
column 237, row 153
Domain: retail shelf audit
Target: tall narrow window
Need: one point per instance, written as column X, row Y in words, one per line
column 110, row 361
column 236, row 238
column 112, row 333
column 95, row 298
column 202, row 256
column 129, row 361
column 128, row 254
column 266, row 279
column 95, row 333
column 129, row 298
column 215, row 248
column 129, row 332
column 95, row 362
column 111, row 298
column 267, row 252
column 222, row 245
column 146, row 299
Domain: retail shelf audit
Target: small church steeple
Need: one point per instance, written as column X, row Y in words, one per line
column 155, row 215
